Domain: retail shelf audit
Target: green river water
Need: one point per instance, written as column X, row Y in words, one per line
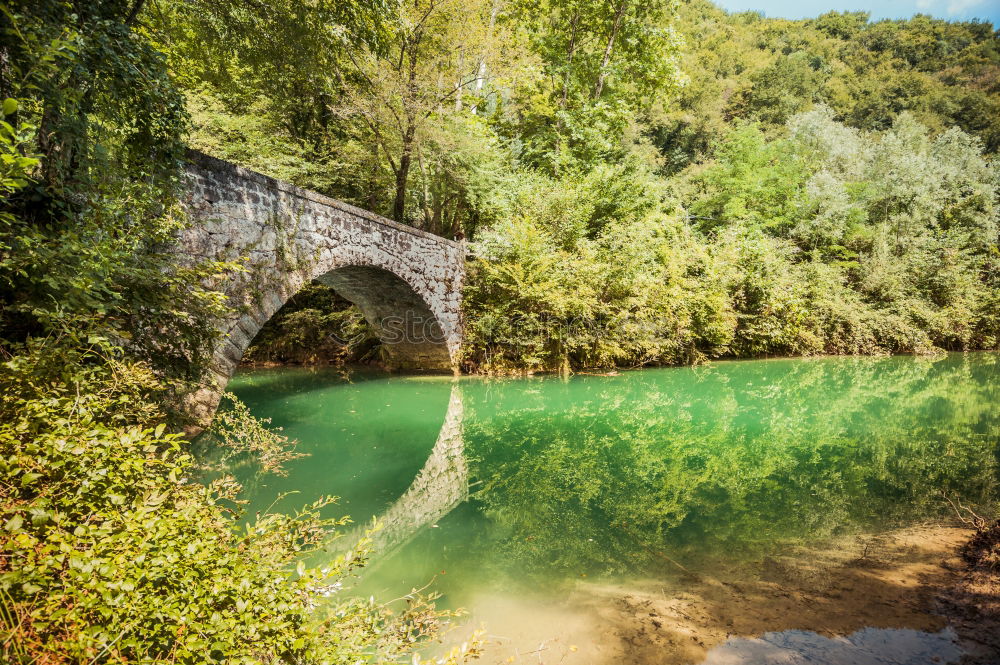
column 523, row 487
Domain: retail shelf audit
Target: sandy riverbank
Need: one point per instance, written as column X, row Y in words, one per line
column 910, row 578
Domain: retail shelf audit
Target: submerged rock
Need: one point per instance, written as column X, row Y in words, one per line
column 868, row 646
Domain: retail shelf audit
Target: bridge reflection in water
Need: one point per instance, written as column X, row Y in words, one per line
column 440, row 485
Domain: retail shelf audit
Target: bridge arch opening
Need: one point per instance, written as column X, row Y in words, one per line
column 408, row 330
column 406, row 282
column 410, row 333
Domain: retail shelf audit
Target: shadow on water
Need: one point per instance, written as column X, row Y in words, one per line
column 260, row 384
column 440, row 485
column 365, row 436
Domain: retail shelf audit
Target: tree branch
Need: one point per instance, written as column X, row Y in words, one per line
column 134, row 12
column 602, row 72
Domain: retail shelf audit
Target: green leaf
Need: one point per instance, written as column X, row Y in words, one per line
column 14, row 523
column 29, row 478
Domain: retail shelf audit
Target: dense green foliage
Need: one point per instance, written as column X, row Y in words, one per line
column 111, row 550
column 824, row 240
column 95, row 106
column 111, row 553
column 657, row 183
column 774, row 205
column 315, row 326
column 743, row 66
column 429, row 125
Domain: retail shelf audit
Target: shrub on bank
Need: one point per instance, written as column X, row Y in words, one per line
column 825, row 240
column 111, row 551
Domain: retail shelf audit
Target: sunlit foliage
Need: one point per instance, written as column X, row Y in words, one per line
column 824, row 240
column 656, row 183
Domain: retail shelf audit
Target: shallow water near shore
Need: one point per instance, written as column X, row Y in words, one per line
column 554, row 508
column 869, row 646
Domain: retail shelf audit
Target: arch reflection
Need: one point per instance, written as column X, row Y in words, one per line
column 440, row 485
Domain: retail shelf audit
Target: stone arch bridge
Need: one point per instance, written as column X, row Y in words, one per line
column 406, row 282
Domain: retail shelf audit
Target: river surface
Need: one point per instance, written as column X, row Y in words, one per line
column 508, row 494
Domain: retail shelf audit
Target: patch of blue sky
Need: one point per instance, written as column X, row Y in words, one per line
column 952, row 10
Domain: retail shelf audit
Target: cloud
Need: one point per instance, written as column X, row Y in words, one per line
column 959, row 6
column 955, row 7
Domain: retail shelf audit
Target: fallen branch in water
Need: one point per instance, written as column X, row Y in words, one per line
column 978, row 522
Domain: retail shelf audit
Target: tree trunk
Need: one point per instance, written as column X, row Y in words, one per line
column 481, row 69
column 134, row 12
column 602, row 72
column 459, row 87
column 373, row 178
column 569, row 62
column 574, row 22
column 403, row 174
column 410, row 113
column 427, row 195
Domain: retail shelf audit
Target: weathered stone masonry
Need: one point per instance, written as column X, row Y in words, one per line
column 405, row 281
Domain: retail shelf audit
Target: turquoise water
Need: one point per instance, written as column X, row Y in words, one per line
column 534, row 483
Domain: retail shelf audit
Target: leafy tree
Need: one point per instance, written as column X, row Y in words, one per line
column 97, row 110
column 755, row 183
column 603, row 63
column 418, row 84
column 789, row 85
column 826, row 239
column 768, row 69
column 843, row 25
